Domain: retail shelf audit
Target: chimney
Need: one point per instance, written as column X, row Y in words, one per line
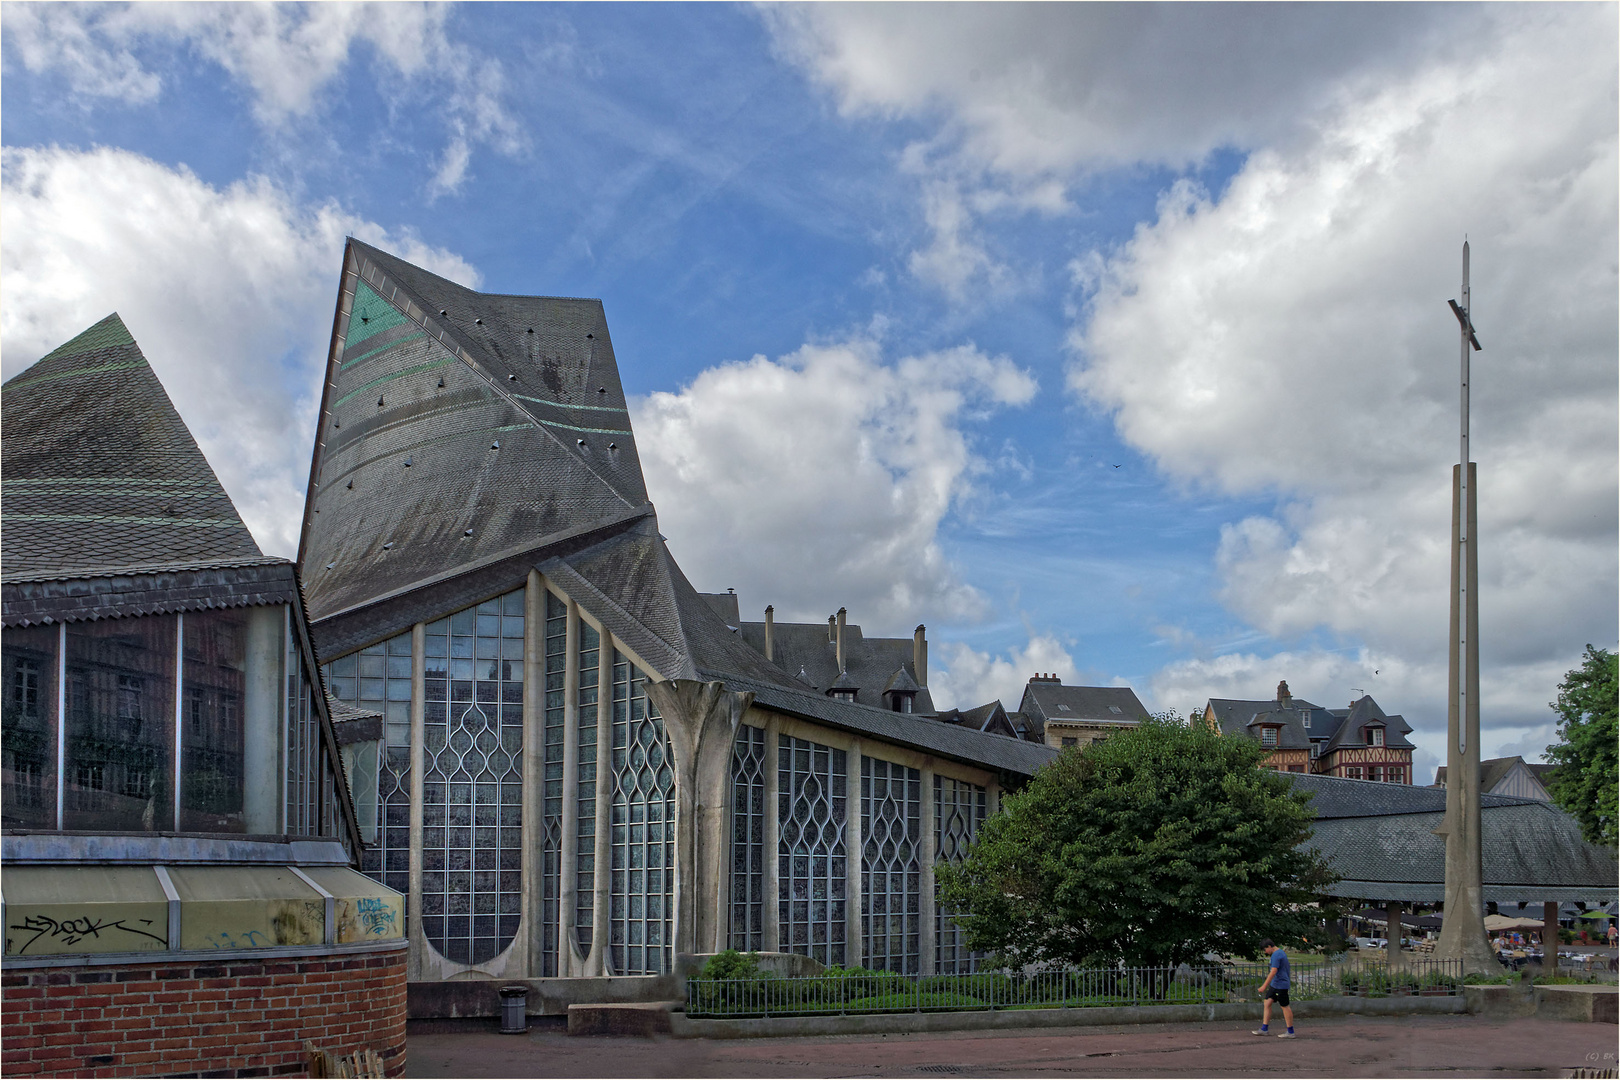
column 1284, row 698
column 770, row 631
column 919, row 654
column 840, row 618
column 832, row 629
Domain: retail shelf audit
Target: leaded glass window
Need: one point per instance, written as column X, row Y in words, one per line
column 811, row 855
column 959, row 810
column 590, row 648
column 473, row 769
column 748, row 840
column 642, row 893
column 551, row 784
column 891, row 866
column 378, row 678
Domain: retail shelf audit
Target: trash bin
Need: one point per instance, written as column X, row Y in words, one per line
column 514, row 1010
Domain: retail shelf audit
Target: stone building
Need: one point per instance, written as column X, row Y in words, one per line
column 1060, row 716
column 1357, row 743
column 586, row 768
column 177, row 841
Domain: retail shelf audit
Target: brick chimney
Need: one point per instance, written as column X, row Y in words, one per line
column 919, row 654
column 770, row 631
column 840, row 617
column 1284, row 698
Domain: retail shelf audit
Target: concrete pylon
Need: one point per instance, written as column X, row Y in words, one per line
column 700, row 719
column 1462, row 933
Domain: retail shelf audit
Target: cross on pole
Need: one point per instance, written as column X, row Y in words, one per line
column 1469, row 338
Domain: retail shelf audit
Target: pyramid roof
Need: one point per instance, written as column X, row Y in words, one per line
column 100, row 475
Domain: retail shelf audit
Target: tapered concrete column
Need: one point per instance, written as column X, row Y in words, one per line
column 854, row 861
column 930, row 845
column 534, row 695
column 700, row 719
column 1462, row 934
column 596, row 963
column 773, row 834
column 418, row 954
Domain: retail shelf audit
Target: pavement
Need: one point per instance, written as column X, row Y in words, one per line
column 1349, row 1046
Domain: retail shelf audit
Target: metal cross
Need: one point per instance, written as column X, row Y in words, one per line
column 1469, row 338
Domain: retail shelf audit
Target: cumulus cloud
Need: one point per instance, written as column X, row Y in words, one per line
column 963, row 677
column 1291, row 336
column 284, row 55
column 821, row 477
column 228, row 291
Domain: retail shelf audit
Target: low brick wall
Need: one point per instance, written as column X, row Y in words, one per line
column 217, row 1016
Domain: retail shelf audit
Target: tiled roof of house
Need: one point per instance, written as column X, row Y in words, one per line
column 869, row 662
column 100, row 475
column 1044, row 701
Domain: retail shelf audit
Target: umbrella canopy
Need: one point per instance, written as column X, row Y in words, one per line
column 1503, row 922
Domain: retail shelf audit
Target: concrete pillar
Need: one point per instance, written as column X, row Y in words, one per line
column 569, row 961
column 773, row 834
column 534, row 697
column 1549, row 936
column 262, row 730
column 927, row 941
column 855, row 949
column 417, row 960
column 1462, row 934
column 700, row 719
column 596, row 963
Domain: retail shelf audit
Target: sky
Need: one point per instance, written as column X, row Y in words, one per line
column 1106, row 340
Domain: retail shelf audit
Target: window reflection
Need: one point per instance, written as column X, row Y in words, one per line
column 28, row 727
column 120, row 725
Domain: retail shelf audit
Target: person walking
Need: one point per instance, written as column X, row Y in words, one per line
column 1275, row 988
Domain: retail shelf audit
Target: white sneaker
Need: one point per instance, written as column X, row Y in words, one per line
column 1259, row 1031
column 1287, row 1035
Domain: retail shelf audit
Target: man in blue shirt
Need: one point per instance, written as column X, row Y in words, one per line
column 1275, row 988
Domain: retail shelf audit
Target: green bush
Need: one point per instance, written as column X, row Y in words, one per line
column 732, row 964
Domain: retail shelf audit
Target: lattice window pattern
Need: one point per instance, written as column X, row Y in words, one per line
column 642, row 887
column 959, row 811
column 472, row 787
column 748, row 840
column 891, row 866
column 551, row 784
column 590, row 650
column 811, row 855
column 379, row 678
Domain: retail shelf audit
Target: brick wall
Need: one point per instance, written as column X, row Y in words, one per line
column 238, row 1017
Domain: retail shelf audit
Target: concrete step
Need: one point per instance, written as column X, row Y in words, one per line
column 623, row 1018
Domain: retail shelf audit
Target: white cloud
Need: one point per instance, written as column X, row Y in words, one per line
column 285, row 55
column 229, row 293
column 962, row 677
column 821, row 477
column 1291, row 336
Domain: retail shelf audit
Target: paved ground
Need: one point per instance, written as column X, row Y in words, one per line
column 1349, row 1046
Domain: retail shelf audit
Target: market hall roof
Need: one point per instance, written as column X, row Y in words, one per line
column 110, row 507
column 1380, row 839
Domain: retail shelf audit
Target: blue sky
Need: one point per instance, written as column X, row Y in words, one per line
column 1108, row 341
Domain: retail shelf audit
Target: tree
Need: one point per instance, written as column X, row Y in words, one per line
column 1587, row 777
column 1153, row 847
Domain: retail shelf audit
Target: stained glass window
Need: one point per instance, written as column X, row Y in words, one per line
column 748, row 840
column 959, row 810
column 642, row 892
column 473, row 769
column 378, row 678
column 811, row 854
column 891, row 866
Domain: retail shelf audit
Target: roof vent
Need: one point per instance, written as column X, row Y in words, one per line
column 330, row 565
column 379, row 402
column 337, row 423
column 441, row 382
column 531, row 329
column 365, row 318
column 511, row 378
column 467, row 532
column 407, row 463
column 601, row 389
column 442, row 311
column 496, row 445
column 613, row 446
column 388, row 545
column 582, row 442
column 478, row 322
column 591, row 337
column 350, row 485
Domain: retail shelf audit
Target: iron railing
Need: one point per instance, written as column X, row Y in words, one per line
column 854, row 992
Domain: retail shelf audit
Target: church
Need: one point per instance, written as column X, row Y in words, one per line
column 569, row 761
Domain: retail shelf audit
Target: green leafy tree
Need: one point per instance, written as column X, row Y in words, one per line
column 1153, row 847
column 1587, row 778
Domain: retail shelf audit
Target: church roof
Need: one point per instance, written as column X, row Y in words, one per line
column 100, row 475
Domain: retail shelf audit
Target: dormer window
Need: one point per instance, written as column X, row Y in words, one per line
column 1305, row 720
column 1116, row 709
column 1375, row 736
column 842, row 695
column 902, row 702
column 1268, row 736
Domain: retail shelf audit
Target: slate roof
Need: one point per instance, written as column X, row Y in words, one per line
column 1047, row 700
column 1330, row 729
column 450, row 434
column 1492, row 771
column 1363, row 712
column 100, row 475
column 1380, row 839
column 870, row 662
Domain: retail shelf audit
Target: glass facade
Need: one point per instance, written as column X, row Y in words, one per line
column 233, row 683
column 551, row 793
column 959, row 811
column 472, row 784
column 590, row 651
column 642, row 839
column 811, row 854
column 28, row 678
column 891, row 866
column 378, row 678
column 748, row 840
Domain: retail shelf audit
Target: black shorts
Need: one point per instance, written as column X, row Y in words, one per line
column 1277, row 994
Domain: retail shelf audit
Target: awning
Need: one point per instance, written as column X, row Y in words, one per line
column 52, row 910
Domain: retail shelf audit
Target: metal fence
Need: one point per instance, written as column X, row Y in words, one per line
column 840, row 992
